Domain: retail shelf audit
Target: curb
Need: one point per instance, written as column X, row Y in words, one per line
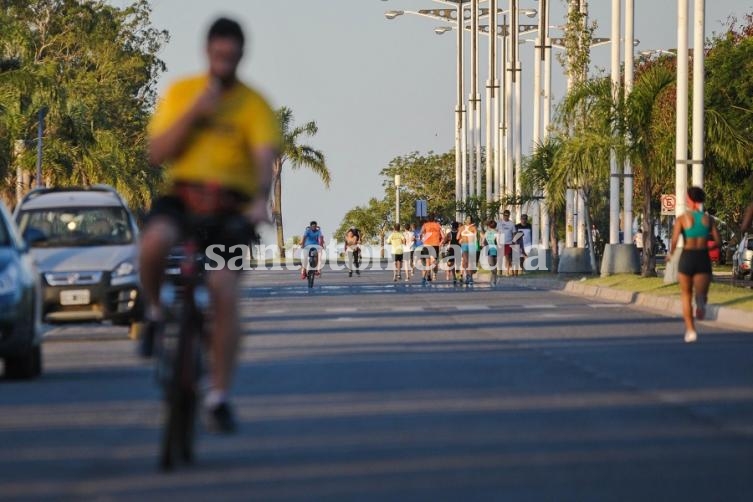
column 672, row 307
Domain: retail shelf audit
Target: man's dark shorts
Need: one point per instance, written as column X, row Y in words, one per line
column 227, row 229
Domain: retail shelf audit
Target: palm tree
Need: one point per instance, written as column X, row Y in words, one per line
column 299, row 156
column 536, row 178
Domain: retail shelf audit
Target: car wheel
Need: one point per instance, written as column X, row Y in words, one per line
column 26, row 366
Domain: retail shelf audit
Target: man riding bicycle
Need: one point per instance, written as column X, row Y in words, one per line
column 219, row 139
column 353, row 250
column 312, row 236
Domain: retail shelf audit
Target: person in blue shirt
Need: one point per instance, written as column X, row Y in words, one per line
column 312, row 236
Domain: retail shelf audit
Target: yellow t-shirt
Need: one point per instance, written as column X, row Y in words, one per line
column 219, row 149
column 396, row 240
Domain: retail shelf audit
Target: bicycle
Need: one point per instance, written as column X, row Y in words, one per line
column 179, row 351
column 313, row 265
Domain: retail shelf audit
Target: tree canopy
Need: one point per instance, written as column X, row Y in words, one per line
column 94, row 67
column 430, row 177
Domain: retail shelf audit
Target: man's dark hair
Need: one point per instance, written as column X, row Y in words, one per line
column 226, row 28
column 697, row 194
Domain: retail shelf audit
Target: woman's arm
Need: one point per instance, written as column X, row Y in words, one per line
column 676, row 231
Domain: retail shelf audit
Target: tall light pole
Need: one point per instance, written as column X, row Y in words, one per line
column 397, row 198
column 547, row 112
column 474, row 99
column 461, row 179
column 627, row 215
column 614, row 174
column 492, row 112
column 699, row 56
column 681, row 126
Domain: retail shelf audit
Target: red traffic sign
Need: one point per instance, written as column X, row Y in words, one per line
column 668, row 204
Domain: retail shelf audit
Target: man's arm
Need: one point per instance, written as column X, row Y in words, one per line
column 171, row 142
column 264, row 159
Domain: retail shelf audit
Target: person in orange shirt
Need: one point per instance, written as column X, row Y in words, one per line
column 432, row 237
column 218, row 139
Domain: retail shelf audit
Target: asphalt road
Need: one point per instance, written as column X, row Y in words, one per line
column 367, row 390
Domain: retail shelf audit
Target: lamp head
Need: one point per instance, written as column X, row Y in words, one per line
column 392, row 14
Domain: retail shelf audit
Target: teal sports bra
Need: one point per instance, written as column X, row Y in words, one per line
column 698, row 229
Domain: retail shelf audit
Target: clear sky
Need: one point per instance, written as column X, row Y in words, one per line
column 376, row 88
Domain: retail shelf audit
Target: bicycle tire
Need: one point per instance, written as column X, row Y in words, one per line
column 310, row 276
column 181, row 398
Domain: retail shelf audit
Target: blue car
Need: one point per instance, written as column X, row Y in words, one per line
column 20, row 304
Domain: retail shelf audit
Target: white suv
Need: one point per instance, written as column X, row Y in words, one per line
column 85, row 244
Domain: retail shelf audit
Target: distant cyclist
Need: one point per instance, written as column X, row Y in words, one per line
column 353, row 250
column 219, row 139
column 312, row 236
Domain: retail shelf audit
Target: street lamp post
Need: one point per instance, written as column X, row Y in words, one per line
column 614, row 175
column 461, row 179
column 627, row 218
column 397, row 198
column 474, row 100
column 699, row 33
column 492, row 86
column 681, row 126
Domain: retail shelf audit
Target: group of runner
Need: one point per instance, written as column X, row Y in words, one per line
column 429, row 247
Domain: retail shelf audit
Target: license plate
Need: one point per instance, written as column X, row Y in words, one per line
column 75, row 297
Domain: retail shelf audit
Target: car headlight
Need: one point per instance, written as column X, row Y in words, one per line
column 9, row 280
column 125, row 268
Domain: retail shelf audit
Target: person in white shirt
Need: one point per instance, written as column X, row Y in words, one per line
column 410, row 245
column 506, row 231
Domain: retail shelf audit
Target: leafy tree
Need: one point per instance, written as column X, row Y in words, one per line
column 298, row 156
column 429, row 177
column 94, row 66
column 729, row 115
column 535, row 178
column 371, row 220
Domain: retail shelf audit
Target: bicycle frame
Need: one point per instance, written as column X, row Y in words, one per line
column 180, row 355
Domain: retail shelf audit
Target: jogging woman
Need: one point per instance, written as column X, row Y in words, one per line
column 694, row 267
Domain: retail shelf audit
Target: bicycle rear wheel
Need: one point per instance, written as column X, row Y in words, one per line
column 181, row 398
column 310, row 276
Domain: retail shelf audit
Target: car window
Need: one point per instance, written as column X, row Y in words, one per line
column 750, row 244
column 70, row 227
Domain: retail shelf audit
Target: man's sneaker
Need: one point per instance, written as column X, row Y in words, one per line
column 150, row 330
column 220, row 419
column 690, row 336
column 350, row 273
column 358, row 272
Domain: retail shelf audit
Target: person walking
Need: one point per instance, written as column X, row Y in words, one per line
column 353, row 251
column 506, row 230
column 694, row 266
column 490, row 242
column 431, row 236
column 410, row 245
column 452, row 241
column 397, row 242
column 468, row 244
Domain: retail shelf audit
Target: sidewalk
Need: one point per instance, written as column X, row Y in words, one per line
column 715, row 315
